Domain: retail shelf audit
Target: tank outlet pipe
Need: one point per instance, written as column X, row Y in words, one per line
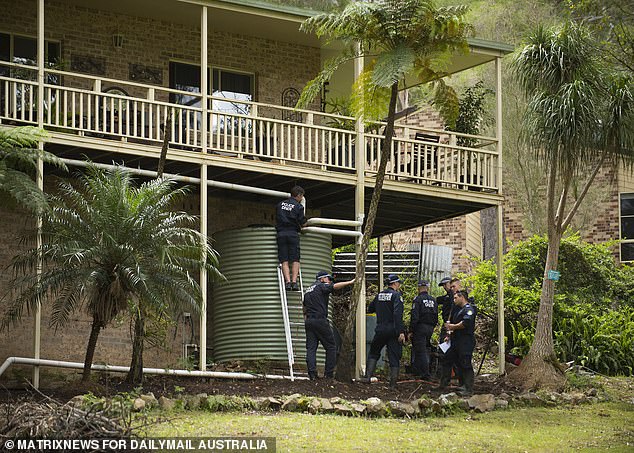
column 124, row 369
column 185, row 179
column 336, row 222
column 333, row 231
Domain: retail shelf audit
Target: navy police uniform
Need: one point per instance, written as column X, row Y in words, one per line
column 317, row 327
column 388, row 306
column 424, row 317
column 289, row 220
column 462, row 345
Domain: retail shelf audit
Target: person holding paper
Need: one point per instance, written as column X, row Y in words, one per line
column 462, row 330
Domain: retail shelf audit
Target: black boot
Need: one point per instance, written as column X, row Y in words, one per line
column 445, row 378
column 369, row 371
column 467, row 378
column 393, row 376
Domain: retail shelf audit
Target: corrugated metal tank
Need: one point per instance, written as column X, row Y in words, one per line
column 247, row 322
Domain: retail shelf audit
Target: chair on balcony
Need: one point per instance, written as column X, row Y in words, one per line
column 422, row 160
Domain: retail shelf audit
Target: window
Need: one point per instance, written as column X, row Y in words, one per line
column 627, row 226
column 23, row 50
column 231, row 85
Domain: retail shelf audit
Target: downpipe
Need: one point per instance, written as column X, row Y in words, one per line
column 124, row 369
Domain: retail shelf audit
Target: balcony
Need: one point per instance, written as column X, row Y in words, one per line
column 114, row 113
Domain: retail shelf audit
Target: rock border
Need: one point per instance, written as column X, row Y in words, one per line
column 425, row 406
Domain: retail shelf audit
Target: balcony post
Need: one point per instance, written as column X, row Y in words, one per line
column 359, row 207
column 203, row 185
column 39, row 176
column 500, row 217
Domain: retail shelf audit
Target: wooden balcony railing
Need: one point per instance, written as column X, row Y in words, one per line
column 121, row 110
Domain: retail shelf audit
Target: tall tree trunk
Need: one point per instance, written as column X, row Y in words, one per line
column 540, row 368
column 167, row 136
column 135, row 375
column 346, row 363
column 90, row 349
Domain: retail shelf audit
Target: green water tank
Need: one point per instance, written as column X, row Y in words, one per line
column 247, row 321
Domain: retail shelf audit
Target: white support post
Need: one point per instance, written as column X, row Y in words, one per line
column 203, row 185
column 500, row 217
column 359, row 209
column 379, row 258
column 39, row 176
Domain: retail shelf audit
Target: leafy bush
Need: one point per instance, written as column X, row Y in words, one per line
column 594, row 301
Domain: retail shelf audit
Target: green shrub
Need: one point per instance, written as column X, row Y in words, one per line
column 594, row 301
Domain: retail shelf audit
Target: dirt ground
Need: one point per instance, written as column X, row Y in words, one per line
column 171, row 386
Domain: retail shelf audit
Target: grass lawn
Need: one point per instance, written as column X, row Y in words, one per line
column 590, row 427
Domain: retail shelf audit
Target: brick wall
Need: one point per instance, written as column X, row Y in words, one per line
column 114, row 347
column 84, row 31
column 597, row 220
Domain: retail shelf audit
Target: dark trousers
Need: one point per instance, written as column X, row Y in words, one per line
column 318, row 330
column 420, row 353
column 459, row 355
column 386, row 336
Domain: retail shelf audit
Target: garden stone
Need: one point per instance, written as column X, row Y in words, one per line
column 314, row 406
column 531, row 399
column 444, row 401
column 436, row 407
column 463, row 404
column 374, row 406
column 268, row 403
column 358, row 408
column 482, row 403
column 401, row 409
column 335, row 400
column 501, row 404
column 451, row 397
column 138, row 405
column 150, row 400
column 193, row 402
column 291, row 403
column 504, row 396
column 342, row 409
column 425, row 403
column 326, row 405
column 166, row 404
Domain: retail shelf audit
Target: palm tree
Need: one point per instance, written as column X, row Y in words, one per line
column 108, row 244
column 18, row 161
column 579, row 118
column 403, row 37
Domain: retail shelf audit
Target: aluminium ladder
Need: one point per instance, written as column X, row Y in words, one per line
column 285, row 315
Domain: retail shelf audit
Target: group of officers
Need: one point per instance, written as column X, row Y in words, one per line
column 458, row 314
column 457, row 331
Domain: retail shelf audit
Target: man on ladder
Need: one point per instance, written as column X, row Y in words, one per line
column 290, row 219
column 316, row 323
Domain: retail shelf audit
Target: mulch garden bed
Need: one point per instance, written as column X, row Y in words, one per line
column 172, row 386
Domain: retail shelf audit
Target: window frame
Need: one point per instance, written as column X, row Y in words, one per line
column 211, row 69
column 21, row 35
column 621, row 239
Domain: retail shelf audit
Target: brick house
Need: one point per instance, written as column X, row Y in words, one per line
column 111, row 72
column 473, row 235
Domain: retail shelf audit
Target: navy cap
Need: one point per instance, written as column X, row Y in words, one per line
column 393, row 278
column 322, row 274
column 423, row 283
column 444, row 280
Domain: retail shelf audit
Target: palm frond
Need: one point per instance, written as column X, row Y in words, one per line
column 392, row 66
column 313, row 87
